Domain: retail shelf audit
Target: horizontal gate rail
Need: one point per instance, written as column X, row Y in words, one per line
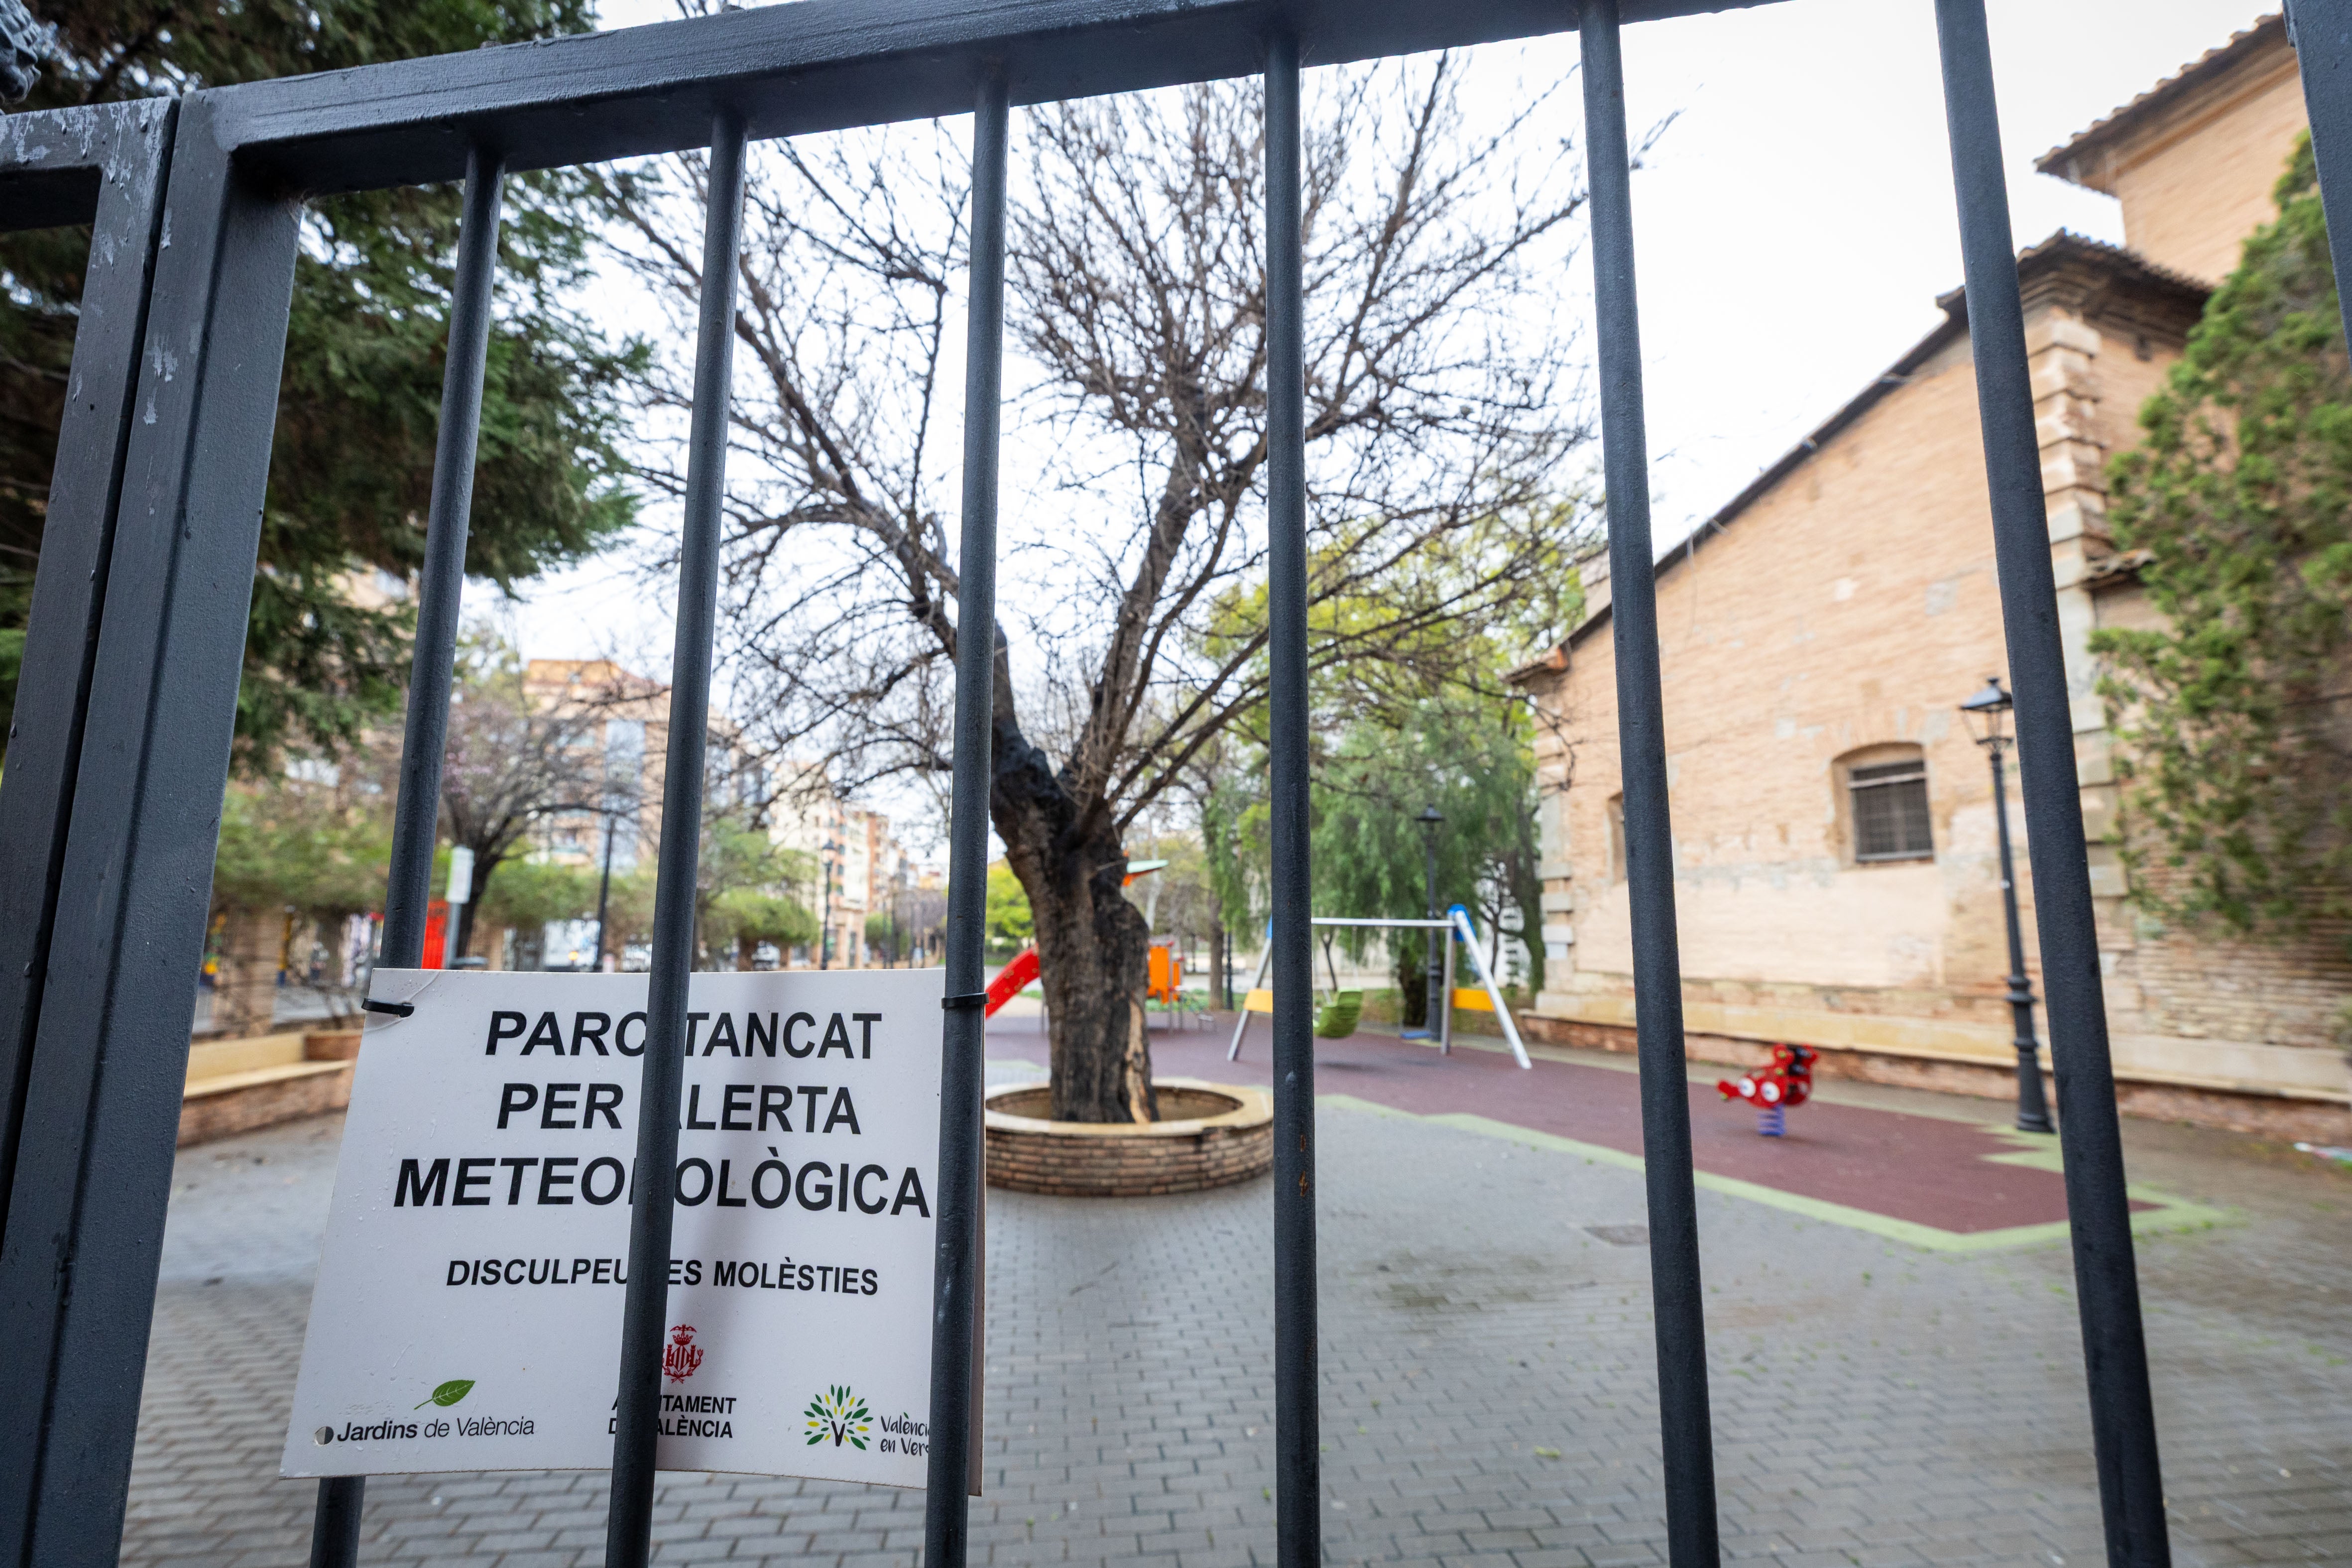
column 822, row 65
column 140, row 603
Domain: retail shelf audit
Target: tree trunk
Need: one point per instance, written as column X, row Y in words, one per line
column 245, row 999
column 1093, row 947
column 1217, row 982
column 1413, row 985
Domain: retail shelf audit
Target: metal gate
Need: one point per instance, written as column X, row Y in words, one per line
column 109, row 813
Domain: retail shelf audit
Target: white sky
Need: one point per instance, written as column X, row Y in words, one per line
column 1793, row 225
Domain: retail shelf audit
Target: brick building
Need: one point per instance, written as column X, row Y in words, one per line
column 1834, row 841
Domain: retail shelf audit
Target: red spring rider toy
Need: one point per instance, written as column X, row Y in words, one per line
column 1772, row 1089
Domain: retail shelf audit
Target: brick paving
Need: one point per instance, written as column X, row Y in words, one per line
column 1488, row 1387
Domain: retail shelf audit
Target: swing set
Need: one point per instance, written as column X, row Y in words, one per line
column 1338, row 1013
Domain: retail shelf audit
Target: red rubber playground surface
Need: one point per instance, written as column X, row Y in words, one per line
column 1926, row 1179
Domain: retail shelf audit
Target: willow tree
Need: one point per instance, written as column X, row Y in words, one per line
column 2238, row 709
column 1439, row 422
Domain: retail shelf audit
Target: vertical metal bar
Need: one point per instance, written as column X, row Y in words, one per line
column 2321, row 32
column 2123, row 1418
column 955, row 1270
column 69, row 585
column 94, row 1169
column 637, row 1427
column 1685, row 1423
column 335, row 1527
column 1297, row 1420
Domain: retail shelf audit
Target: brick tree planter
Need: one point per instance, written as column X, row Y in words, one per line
column 1210, row 1135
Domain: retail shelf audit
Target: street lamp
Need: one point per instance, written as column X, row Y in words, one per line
column 1985, row 712
column 1433, row 979
column 610, row 811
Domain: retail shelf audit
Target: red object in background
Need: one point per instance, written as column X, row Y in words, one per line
column 1787, row 1081
column 437, row 933
column 1012, row 978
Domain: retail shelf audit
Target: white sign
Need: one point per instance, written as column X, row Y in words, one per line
column 468, row 1312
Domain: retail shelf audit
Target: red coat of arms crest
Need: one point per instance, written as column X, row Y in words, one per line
column 681, row 1355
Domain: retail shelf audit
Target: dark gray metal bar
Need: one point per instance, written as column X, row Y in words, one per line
column 131, row 144
column 1685, row 1426
column 820, row 66
column 2114, row 1352
column 956, row 1269
column 417, row 815
column 651, row 1208
column 2321, row 32
column 442, row 584
column 93, row 1171
column 1297, row 1417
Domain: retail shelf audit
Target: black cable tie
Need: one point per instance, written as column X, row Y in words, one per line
column 397, row 1009
column 968, row 999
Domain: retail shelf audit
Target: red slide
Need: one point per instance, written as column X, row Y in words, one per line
column 1012, row 978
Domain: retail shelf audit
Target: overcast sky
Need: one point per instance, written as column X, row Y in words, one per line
column 1793, row 225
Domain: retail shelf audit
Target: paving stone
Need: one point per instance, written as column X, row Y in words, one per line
column 1873, row 1405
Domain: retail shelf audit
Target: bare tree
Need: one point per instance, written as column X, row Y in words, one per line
column 507, row 760
column 1441, row 423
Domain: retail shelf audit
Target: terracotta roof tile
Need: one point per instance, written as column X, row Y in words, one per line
column 2212, row 62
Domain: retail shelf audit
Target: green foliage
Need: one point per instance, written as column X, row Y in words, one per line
column 1009, row 921
column 2238, row 747
column 352, row 463
column 528, row 894
column 1471, row 758
column 302, row 847
column 741, row 886
column 762, row 917
column 884, row 934
column 1233, row 845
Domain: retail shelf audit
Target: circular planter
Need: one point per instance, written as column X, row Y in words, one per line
column 1210, row 1135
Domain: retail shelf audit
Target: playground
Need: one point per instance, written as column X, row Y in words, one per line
column 1489, row 1394
column 1941, row 1173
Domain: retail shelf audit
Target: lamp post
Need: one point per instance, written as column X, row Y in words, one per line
column 825, row 905
column 1434, row 976
column 1985, row 711
column 604, row 893
column 611, row 812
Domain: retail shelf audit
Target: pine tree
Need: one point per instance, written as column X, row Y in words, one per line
column 351, row 468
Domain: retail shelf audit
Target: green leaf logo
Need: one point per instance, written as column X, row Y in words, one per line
column 449, row 1393
column 841, row 1415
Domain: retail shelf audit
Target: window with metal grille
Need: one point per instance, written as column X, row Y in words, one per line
column 1890, row 811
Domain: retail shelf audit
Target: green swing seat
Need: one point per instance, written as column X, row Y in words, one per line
column 1335, row 1020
